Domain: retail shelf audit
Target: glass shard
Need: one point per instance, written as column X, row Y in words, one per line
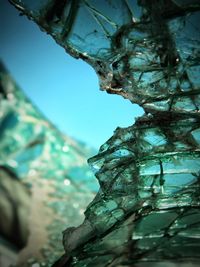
column 147, row 209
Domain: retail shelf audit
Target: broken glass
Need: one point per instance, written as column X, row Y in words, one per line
column 147, row 209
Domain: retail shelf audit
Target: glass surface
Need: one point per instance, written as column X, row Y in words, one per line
column 147, row 209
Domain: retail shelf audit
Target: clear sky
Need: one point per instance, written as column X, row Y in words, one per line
column 65, row 89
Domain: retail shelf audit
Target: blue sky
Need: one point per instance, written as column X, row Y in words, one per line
column 66, row 90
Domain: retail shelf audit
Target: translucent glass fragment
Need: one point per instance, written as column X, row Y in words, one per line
column 147, row 52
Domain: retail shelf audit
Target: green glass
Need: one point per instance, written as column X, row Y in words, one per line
column 147, row 209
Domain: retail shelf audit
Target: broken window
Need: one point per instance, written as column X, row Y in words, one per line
column 147, row 209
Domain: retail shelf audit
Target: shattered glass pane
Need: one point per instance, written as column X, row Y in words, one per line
column 45, row 183
column 147, row 209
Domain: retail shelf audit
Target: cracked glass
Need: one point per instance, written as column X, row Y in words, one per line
column 147, row 208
